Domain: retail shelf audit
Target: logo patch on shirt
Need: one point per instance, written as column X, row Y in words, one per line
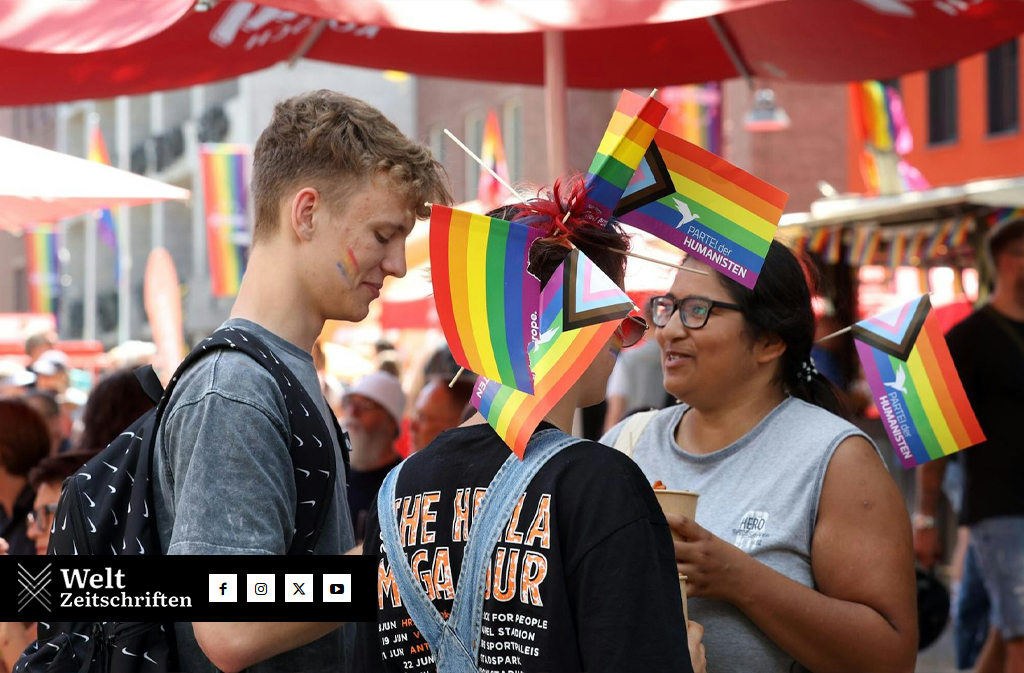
column 752, row 530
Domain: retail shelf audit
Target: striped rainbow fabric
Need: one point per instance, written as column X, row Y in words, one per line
column 939, row 240
column 487, row 302
column 226, row 196
column 106, row 227
column 42, row 270
column 703, row 205
column 914, row 383
column 629, row 133
column 897, row 249
column 560, row 357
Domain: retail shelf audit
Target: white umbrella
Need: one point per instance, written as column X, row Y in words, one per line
column 40, row 185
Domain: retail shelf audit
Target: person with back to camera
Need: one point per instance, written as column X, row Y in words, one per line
column 583, row 576
column 802, row 559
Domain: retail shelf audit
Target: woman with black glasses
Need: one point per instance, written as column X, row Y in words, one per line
column 802, row 558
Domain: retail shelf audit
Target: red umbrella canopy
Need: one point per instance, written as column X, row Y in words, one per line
column 608, row 43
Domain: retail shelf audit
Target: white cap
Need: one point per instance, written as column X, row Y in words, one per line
column 385, row 390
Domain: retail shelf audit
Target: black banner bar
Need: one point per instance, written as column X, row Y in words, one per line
column 186, row 588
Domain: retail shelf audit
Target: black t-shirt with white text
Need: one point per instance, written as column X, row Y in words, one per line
column 991, row 366
column 583, row 579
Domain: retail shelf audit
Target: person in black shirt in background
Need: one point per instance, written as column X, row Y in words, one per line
column 988, row 350
column 583, row 577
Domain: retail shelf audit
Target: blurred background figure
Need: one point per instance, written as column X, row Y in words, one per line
column 13, row 378
column 46, row 479
column 372, row 413
column 51, row 370
column 438, row 408
column 58, row 420
column 24, row 441
column 38, row 343
column 116, row 402
column 636, row 382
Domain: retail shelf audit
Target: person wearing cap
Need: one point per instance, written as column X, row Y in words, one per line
column 51, row 370
column 987, row 348
column 372, row 411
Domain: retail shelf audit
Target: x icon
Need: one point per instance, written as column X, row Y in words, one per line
column 298, row 588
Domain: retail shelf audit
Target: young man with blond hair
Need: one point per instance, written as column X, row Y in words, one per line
column 337, row 189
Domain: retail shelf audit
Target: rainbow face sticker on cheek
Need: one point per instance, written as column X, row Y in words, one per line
column 349, row 267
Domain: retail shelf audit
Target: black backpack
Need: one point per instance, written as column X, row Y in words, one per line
column 105, row 508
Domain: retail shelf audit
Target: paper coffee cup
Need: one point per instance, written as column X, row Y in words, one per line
column 680, row 503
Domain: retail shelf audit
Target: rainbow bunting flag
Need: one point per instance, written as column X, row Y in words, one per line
column 897, row 249
column 106, row 227
column 579, row 293
column 630, row 131
column 855, row 252
column 939, row 240
column 703, row 205
column 835, row 240
column 489, row 191
column 870, row 248
column 1004, row 215
column 916, row 248
column 42, row 270
column 914, row 383
column 961, row 230
column 487, row 302
column 226, row 195
column 818, row 241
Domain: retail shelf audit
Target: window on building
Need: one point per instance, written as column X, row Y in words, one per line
column 474, row 139
column 436, row 140
column 512, row 130
column 942, row 102
column 1003, row 115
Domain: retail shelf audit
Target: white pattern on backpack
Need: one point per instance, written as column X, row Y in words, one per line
column 320, row 444
column 308, row 502
column 305, row 472
column 145, row 655
column 124, row 650
column 91, row 503
column 300, row 439
column 109, row 465
column 304, row 409
column 91, row 525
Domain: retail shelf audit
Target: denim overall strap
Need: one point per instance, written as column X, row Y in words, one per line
column 489, row 522
column 414, row 598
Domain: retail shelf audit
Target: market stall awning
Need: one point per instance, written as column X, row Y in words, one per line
column 38, row 185
column 911, row 206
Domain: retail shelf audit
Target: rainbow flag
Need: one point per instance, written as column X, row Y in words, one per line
column 487, row 302
column 226, row 195
column 488, row 190
column 897, row 249
column 939, row 240
column 578, row 293
column 855, row 251
column 818, row 241
column 835, row 241
column 703, row 205
column 106, row 227
column 42, row 270
column 871, row 248
column 915, row 250
column 961, row 230
column 630, row 131
column 914, row 383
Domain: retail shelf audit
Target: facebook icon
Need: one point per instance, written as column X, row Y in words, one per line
column 223, row 588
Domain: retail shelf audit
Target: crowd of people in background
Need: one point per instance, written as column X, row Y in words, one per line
column 803, row 558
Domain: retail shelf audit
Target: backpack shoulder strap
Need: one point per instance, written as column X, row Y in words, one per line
column 312, row 458
column 631, row 431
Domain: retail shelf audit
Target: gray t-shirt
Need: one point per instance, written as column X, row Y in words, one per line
column 224, row 440
column 761, row 494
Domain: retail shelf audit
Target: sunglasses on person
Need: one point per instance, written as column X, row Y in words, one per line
column 630, row 331
column 693, row 311
column 42, row 516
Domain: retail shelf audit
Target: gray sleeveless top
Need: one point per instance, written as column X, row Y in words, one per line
column 761, row 494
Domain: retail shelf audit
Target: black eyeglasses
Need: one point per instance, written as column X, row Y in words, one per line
column 693, row 311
